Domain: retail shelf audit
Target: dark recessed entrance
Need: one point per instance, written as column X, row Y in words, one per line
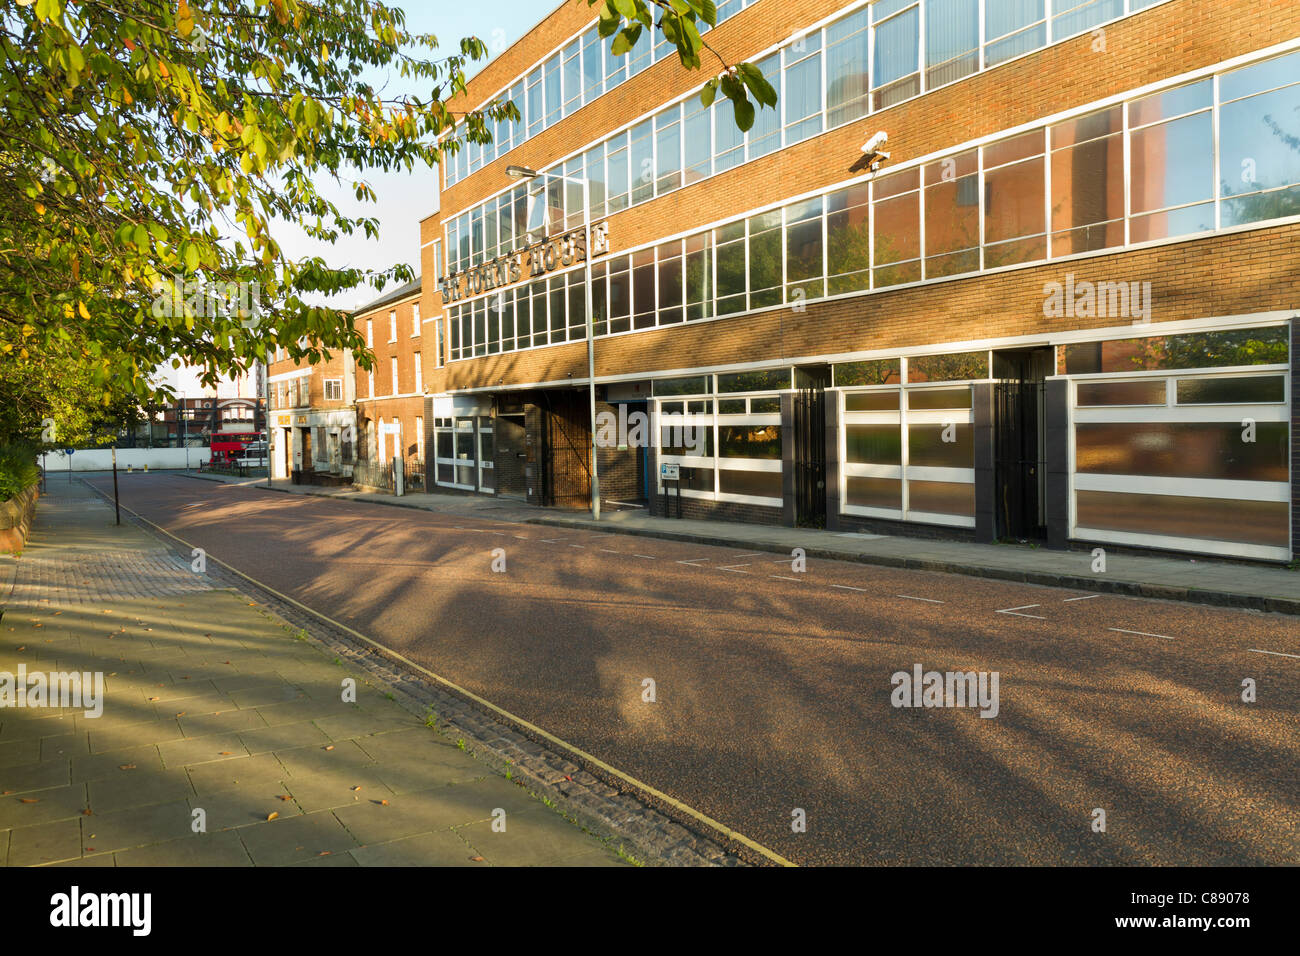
column 1020, row 442
column 809, row 460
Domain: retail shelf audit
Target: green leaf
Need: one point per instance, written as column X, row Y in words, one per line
column 744, row 113
column 709, row 93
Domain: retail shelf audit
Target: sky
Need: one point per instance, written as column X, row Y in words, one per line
column 406, row 198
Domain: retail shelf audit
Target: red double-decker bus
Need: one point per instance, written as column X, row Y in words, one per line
column 226, row 446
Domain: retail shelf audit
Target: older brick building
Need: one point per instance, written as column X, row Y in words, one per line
column 1061, row 307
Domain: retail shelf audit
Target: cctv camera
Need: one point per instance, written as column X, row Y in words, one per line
column 873, row 145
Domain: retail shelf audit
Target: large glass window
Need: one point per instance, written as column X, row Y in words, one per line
column 572, row 77
column 697, row 141
column 897, row 230
column 593, row 66
column 730, row 148
column 594, row 170
column 1088, row 182
column 765, row 260
column 642, row 162
column 643, row 289
column 1172, row 162
column 802, row 102
column 1259, row 141
column 765, row 135
column 620, row 295
column 668, row 150
column 848, row 240
column 699, row 278
column 1074, row 16
column 536, row 111
column 805, row 267
column 896, row 73
column 671, row 290
column 551, row 83
column 617, row 170
column 1013, row 27
column 1014, row 219
column 731, row 268
column 847, row 80
column 952, row 40
column 952, row 222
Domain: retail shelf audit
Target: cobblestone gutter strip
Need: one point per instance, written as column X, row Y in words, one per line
column 1278, row 605
column 643, row 828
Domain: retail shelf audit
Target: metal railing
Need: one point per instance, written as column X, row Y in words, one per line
column 380, row 475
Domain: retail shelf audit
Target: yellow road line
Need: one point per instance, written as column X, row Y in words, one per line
column 676, row 804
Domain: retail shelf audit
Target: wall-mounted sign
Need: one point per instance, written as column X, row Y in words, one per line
column 541, row 257
column 282, row 421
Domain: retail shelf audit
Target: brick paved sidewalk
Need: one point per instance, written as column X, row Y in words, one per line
column 212, row 704
column 1199, row 580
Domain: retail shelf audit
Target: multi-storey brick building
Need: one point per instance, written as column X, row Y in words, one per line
column 338, row 421
column 390, row 397
column 312, row 417
column 1061, row 308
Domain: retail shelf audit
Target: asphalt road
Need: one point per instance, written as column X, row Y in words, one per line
column 773, row 688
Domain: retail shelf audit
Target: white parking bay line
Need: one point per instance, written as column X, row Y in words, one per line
column 845, row 587
column 693, row 561
column 610, row 551
column 751, row 554
column 1256, row 650
column 913, row 598
column 648, row 557
column 1086, row 597
column 552, row 540
column 734, row 570
column 577, row 546
column 1120, row 630
column 1024, row 607
column 784, row 577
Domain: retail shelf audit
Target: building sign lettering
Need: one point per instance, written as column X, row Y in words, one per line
column 541, row 257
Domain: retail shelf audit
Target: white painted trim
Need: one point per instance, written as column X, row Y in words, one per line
column 1180, row 487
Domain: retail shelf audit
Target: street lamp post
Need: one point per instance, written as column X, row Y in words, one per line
column 524, row 172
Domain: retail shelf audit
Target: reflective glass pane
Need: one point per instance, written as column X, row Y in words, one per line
column 759, row 484
column 941, row 497
column 873, row 492
column 926, row 445
column 952, row 39
column 754, row 381
column 1183, row 450
column 1172, row 163
column 1247, row 522
column 948, row 368
column 847, row 81
column 749, row 441
column 1251, row 390
column 1092, row 394
column 873, row 444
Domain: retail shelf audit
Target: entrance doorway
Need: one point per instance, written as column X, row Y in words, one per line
column 1020, row 442
column 565, row 450
column 809, row 458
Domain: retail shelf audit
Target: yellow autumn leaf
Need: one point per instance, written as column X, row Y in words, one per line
column 82, row 310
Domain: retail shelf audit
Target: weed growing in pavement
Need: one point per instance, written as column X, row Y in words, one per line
column 460, row 743
column 390, row 696
column 627, row 857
